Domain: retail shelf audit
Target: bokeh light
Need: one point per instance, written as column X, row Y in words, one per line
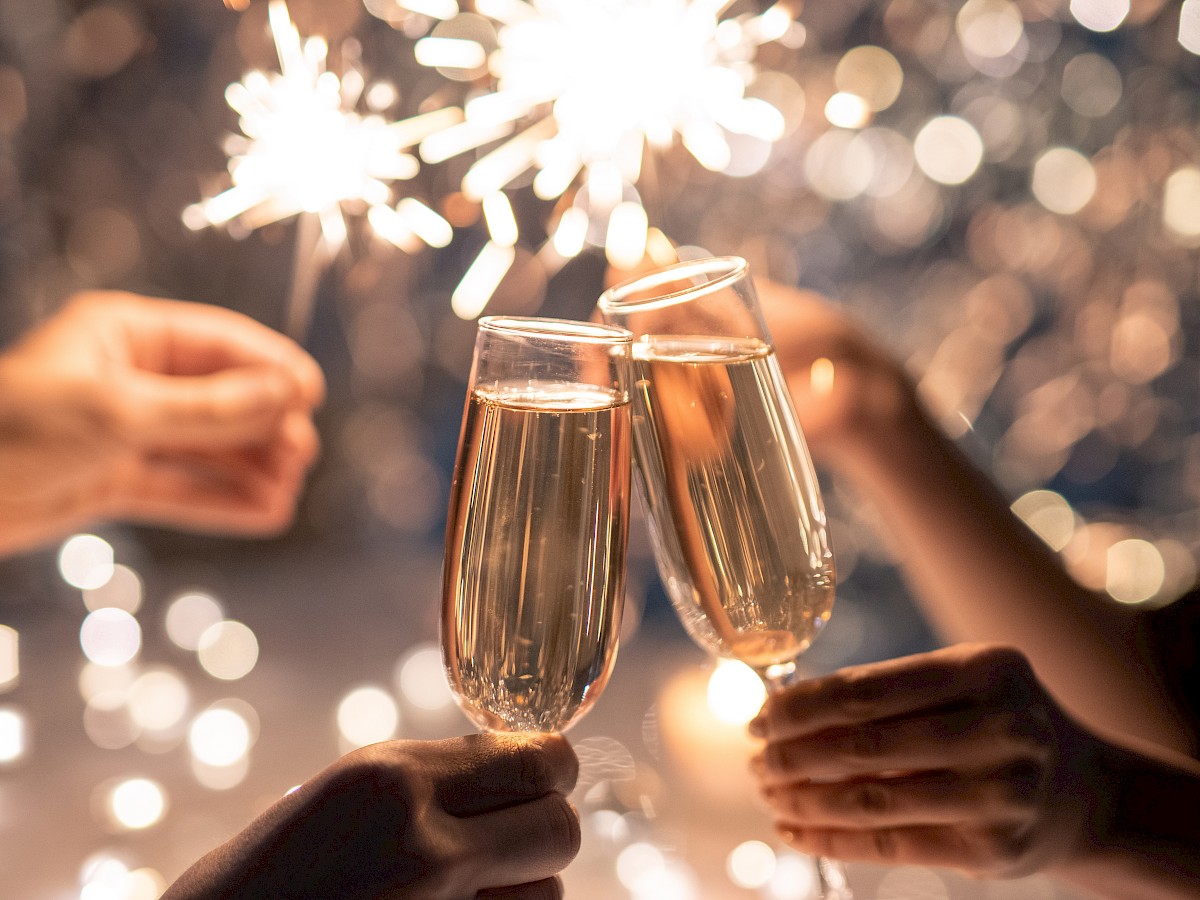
column 1049, row 515
column 839, row 165
column 1091, row 85
column 421, row 678
column 158, row 699
column 10, row 657
column 847, row 110
column 1181, row 205
column 872, row 74
column 220, row 737
column 97, row 679
column 122, row 590
column 366, row 715
column 1063, row 180
column 1189, row 25
column 989, row 28
column 110, row 637
column 110, row 878
column 948, row 149
column 1100, row 15
column 677, row 881
column 191, row 614
column 228, row 650
column 735, row 692
column 14, row 734
column 794, row 878
column 1135, row 571
column 85, row 561
column 751, row 864
column 641, row 867
column 136, row 803
column 108, row 722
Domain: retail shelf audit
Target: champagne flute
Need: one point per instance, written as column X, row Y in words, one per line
column 734, row 507
column 534, row 573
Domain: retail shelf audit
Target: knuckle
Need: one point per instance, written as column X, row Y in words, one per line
column 1016, row 789
column 1008, row 671
column 869, row 798
column 858, row 693
column 89, row 303
column 1027, row 730
column 995, row 663
column 1003, row 725
column 884, row 842
column 1002, row 796
column 860, row 744
column 108, row 414
column 373, row 773
column 1003, row 848
column 790, row 802
column 779, row 757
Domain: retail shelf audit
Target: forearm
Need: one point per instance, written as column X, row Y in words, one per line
column 982, row 575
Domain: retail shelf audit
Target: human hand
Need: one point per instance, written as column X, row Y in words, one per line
column 849, row 392
column 478, row 816
column 158, row 411
column 955, row 758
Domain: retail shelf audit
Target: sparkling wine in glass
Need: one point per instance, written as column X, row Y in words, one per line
column 734, row 507
column 534, row 572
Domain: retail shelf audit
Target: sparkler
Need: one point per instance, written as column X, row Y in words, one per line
column 584, row 92
column 307, row 151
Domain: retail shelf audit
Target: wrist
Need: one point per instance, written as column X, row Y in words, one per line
column 1140, row 832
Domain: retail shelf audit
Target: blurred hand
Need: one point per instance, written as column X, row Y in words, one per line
column 478, row 816
column 158, row 411
column 954, row 758
column 848, row 390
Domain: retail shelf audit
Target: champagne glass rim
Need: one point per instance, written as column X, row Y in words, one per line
column 719, row 272
column 558, row 329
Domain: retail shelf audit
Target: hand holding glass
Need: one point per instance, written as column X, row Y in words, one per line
column 735, row 511
column 539, row 512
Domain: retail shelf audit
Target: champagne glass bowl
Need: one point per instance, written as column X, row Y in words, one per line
column 534, row 572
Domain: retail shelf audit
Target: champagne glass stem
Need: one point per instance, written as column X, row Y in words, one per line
column 831, row 874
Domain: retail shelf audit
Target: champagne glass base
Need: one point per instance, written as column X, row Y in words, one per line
column 831, row 880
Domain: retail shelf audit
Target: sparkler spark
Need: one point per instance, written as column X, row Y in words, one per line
column 583, row 91
column 306, row 149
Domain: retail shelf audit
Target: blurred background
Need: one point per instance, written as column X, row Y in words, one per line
column 1006, row 191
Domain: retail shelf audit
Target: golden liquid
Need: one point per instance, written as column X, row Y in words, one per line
column 535, row 557
column 735, row 511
